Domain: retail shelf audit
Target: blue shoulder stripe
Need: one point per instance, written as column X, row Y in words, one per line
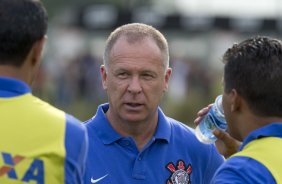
column 76, row 143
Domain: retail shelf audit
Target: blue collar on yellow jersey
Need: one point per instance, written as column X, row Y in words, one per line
column 10, row 87
column 273, row 130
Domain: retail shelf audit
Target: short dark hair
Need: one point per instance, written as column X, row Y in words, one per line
column 22, row 23
column 254, row 69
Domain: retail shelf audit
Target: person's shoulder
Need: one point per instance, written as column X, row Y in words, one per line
column 99, row 116
column 55, row 112
column 74, row 123
column 89, row 121
column 41, row 106
column 241, row 169
column 240, row 163
column 42, row 111
column 185, row 134
column 180, row 127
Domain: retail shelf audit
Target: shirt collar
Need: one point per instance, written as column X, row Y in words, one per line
column 10, row 87
column 108, row 135
column 272, row 130
column 163, row 131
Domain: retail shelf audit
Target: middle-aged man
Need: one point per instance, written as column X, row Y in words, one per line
column 39, row 144
column 252, row 103
column 131, row 141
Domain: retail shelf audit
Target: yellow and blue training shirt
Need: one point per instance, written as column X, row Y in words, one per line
column 39, row 144
column 259, row 160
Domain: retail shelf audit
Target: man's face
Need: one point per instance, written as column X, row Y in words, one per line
column 135, row 80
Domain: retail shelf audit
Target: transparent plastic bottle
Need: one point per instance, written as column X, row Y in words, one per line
column 214, row 119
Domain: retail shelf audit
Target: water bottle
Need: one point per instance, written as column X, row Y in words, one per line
column 214, row 119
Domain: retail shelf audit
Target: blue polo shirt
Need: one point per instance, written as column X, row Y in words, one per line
column 240, row 169
column 38, row 143
column 173, row 153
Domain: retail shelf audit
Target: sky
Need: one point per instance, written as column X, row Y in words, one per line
column 233, row 8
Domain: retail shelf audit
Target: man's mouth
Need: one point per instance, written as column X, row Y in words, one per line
column 134, row 105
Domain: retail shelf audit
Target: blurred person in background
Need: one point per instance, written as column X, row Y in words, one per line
column 130, row 139
column 38, row 143
column 252, row 106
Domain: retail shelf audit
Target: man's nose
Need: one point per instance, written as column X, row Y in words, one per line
column 134, row 85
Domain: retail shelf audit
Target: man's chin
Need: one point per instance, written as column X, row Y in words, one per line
column 134, row 118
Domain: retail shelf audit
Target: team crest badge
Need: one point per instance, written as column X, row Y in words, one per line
column 180, row 174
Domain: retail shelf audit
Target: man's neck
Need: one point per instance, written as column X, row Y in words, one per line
column 258, row 122
column 13, row 72
column 141, row 132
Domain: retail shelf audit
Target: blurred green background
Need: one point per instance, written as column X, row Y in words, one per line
column 198, row 32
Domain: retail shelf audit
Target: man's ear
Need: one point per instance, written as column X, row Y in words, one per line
column 103, row 72
column 235, row 100
column 167, row 78
column 37, row 49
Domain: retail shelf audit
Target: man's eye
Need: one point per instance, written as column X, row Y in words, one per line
column 148, row 76
column 122, row 75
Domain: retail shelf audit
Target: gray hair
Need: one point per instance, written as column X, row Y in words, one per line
column 136, row 32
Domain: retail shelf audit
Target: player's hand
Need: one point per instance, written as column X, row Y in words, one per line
column 225, row 144
column 201, row 114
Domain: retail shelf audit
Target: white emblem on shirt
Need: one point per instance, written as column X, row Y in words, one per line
column 96, row 180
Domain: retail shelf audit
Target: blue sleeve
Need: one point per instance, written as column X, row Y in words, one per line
column 214, row 162
column 76, row 143
column 238, row 170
